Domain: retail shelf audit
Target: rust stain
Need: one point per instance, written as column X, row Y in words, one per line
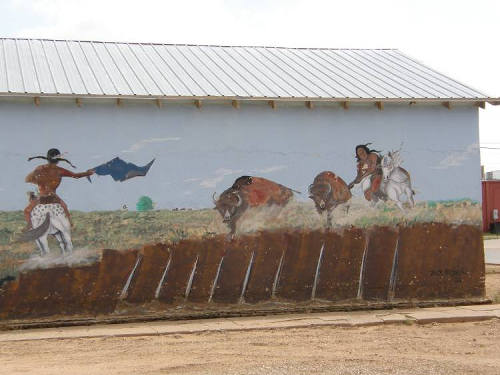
column 434, row 261
column 269, row 248
column 233, row 269
column 438, row 261
column 114, row 269
column 183, row 257
column 8, row 299
column 299, row 265
column 210, row 253
column 148, row 274
column 41, row 292
column 83, row 281
column 378, row 263
column 340, row 269
column 469, row 243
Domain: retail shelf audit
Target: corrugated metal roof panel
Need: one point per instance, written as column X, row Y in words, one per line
column 82, row 68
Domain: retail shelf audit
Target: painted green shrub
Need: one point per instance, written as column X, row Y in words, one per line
column 144, row 204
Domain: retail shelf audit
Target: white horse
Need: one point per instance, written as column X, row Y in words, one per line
column 396, row 180
column 49, row 219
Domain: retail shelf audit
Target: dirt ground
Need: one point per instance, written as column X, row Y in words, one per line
column 452, row 348
column 462, row 348
column 493, row 282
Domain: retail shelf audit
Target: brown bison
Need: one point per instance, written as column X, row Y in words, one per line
column 248, row 191
column 328, row 191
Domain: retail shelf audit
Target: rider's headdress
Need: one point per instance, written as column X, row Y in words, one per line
column 53, row 156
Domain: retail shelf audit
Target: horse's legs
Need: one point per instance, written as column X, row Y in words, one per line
column 67, row 240
column 43, row 245
column 409, row 193
column 40, row 247
column 346, row 208
column 62, row 243
column 63, row 234
column 394, row 196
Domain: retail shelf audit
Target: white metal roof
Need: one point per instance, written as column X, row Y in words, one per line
column 36, row 67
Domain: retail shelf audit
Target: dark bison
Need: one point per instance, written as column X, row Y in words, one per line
column 328, row 191
column 248, row 191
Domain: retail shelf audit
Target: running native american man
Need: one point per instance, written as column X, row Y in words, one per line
column 369, row 166
column 48, row 178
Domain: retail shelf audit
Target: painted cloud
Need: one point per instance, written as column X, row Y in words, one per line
column 139, row 145
column 456, row 158
column 271, row 169
column 211, row 182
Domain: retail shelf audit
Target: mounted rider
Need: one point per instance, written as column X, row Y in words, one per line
column 369, row 165
column 48, row 178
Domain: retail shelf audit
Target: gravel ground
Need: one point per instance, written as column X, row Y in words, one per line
column 462, row 348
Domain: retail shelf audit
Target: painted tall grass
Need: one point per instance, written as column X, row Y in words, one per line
column 127, row 230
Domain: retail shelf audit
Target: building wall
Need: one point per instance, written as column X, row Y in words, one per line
column 280, row 248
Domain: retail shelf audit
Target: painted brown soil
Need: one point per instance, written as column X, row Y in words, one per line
column 419, row 262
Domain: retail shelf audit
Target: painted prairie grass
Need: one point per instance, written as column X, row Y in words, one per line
column 126, row 230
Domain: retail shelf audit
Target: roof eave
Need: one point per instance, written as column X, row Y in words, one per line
column 490, row 100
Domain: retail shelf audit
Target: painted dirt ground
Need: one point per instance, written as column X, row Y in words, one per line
column 353, row 266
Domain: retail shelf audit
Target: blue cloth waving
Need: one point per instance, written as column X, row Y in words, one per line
column 121, row 170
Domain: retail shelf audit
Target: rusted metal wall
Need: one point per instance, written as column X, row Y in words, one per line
column 417, row 262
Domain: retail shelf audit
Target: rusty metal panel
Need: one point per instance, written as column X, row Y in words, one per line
column 184, row 255
column 379, row 261
column 339, row 273
column 210, row 255
column 148, row 274
column 470, row 249
column 270, row 248
column 114, row 269
column 432, row 262
column 83, row 281
column 8, row 298
column 41, row 292
column 299, row 265
column 234, row 268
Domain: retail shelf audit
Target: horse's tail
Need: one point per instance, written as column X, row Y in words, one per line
column 35, row 233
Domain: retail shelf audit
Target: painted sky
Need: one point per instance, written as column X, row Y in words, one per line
column 458, row 38
column 199, row 152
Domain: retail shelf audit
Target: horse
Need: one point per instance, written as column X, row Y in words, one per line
column 49, row 219
column 396, row 180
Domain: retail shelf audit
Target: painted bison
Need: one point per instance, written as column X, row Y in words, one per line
column 328, row 191
column 247, row 192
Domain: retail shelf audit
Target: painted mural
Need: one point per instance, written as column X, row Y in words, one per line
column 351, row 211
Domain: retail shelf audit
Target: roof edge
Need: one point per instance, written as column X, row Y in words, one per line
column 490, row 100
column 196, row 45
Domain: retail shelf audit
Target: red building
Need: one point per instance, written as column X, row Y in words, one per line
column 491, row 203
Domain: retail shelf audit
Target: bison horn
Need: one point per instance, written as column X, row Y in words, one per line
column 213, row 197
column 329, row 188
